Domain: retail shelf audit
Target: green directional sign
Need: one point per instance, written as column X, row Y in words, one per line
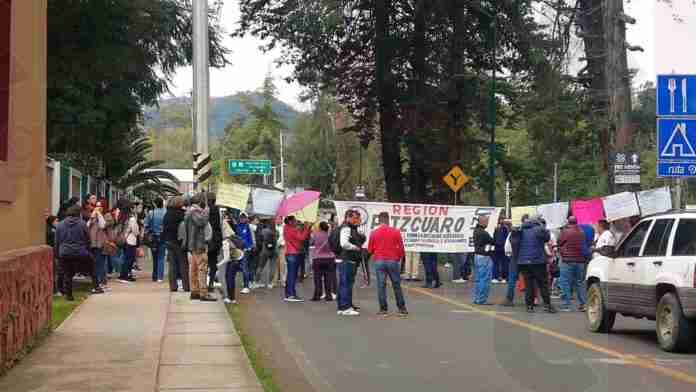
column 238, row 167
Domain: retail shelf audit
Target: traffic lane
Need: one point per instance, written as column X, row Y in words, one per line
column 631, row 335
column 442, row 349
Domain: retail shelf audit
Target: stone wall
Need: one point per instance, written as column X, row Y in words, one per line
column 26, row 293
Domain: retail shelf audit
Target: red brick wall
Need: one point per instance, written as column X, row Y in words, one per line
column 26, row 292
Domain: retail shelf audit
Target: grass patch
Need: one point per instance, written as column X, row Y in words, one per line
column 61, row 308
column 255, row 357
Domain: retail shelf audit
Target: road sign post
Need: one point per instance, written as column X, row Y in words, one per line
column 237, row 167
column 456, row 179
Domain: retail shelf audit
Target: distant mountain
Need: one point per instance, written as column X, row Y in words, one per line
column 176, row 112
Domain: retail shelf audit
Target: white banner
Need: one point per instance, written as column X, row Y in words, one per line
column 425, row 228
column 621, row 205
column 555, row 214
column 265, row 201
column 654, row 201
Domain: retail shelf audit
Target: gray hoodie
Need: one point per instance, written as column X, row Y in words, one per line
column 195, row 225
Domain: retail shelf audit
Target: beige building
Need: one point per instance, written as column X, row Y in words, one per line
column 23, row 183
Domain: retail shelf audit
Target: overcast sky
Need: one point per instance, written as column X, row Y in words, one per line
column 668, row 43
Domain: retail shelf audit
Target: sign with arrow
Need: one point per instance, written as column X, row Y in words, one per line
column 456, row 179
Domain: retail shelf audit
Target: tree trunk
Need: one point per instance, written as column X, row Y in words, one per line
column 417, row 172
column 390, row 138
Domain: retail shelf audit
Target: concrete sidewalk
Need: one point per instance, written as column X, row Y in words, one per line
column 139, row 337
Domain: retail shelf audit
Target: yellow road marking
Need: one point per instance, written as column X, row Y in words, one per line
column 630, row 359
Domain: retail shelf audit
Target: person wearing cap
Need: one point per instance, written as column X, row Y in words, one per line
column 229, row 266
column 572, row 243
column 532, row 262
column 483, row 252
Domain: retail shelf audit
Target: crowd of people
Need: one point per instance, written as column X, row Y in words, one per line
column 205, row 249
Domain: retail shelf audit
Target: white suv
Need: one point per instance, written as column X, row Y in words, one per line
column 652, row 274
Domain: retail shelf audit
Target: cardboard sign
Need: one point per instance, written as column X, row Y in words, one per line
column 233, row 196
column 588, row 211
column 620, row 205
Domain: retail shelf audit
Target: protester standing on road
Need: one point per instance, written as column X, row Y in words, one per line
column 322, row 259
column 571, row 243
column 387, row 249
column 215, row 243
column 501, row 262
column 176, row 258
column 512, row 250
column 196, row 224
column 244, row 232
column 532, row 262
column 606, row 241
column 268, row 255
column 483, row 252
column 349, row 255
column 294, row 240
column 72, row 246
column 432, row 275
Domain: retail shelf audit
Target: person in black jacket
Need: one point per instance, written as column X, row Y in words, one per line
column 483, row 251
column 215, row 244
column 177, row 260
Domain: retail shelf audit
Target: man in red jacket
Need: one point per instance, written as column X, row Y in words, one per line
column 387, row 249
column 294, row 239
column 573, row 264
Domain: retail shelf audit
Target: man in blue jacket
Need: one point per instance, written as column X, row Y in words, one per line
column 532, row 262
column 244, row 232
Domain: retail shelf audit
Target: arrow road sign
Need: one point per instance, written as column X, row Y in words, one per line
column 676, row 95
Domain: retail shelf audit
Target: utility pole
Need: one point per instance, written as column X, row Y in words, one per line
column 201, row 90
column 555, row 182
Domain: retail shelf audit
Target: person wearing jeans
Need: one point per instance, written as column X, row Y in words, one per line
column 294, row 240
column 572, row 244
column 387, row 249
column 349, row 255
column 483, row 249
column 432, row 275
column 154, row 224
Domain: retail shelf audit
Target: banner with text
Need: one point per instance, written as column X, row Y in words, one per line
column 425, row 228
column 265, row 201
column 621, row 205
column 555, row 214
column 654, row 201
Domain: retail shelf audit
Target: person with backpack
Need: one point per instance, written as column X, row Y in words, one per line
column 230, row 265
column 346, row 242
column 177, row 260
column 532, row 262
column 197, row 233
column 243, row 231
column 322, row 259
column 153, row 231
column 268, row 255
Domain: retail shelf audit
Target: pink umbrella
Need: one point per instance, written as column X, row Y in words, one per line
column 305, row 205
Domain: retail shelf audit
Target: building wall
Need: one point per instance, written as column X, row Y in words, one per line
column 23, row 189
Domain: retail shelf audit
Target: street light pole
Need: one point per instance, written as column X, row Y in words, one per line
column 201, row 87
column 492, row 108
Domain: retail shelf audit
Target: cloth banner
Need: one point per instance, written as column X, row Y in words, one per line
column 425, row 228
column 588, row 211
column 621, row 205
column 517, row 212
column 555, row 214
column 654, row 201
column 265, row 201
column 233, row 196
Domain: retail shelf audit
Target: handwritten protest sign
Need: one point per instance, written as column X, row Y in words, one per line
column 555, row 214
column 654, row 201
column 233, row 196
column 265, row 201
column 620, row 205
column 588, row 211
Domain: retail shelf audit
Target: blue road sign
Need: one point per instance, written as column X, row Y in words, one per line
column 676, row 169
column 676, row 140
column 676, row 95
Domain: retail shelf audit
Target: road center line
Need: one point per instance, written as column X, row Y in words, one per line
column 629, row 359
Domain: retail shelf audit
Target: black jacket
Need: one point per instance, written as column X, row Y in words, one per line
column 214, row 218
column 483, row 242
column 357, row 239
column 172, row 218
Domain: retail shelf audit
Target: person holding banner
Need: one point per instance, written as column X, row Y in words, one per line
column 483, row 252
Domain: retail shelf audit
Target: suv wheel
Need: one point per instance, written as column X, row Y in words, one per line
column 599, row 319
column 674, row 331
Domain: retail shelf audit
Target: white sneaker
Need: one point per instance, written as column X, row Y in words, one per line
column 294, row 299
column 323, row 296
column 245, row 291
column 495, row 281
column 448, row 265
column 334, row 296
column 503, row 281
column 270, row 287
column 227, row 301
column 350, row 312
column 217, row 284
column 159, row 281
column 123, row 281
column 459, row 281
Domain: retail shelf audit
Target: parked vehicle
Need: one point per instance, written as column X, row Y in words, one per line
column 651, row 274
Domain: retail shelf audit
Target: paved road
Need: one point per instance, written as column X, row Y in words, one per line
column 448, row 345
